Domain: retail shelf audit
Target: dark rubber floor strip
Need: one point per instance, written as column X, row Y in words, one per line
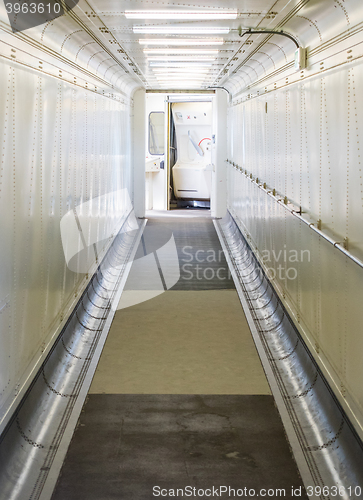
column 126, row 445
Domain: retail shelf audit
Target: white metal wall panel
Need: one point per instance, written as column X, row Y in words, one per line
column 62, row 147
column 306, row 145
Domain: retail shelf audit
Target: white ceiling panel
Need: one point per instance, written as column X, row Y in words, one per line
column 98, row 37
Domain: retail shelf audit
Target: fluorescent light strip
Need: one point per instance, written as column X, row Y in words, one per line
column 181, row 14
column 187, row 86
column 191, row 85
column 181, row 75
column 202, row 67
column 181, row 51
column 180, row 58
column 181, row 64
column 209, row 81
column 178, row 78
column 181, row 41
column 182, row 70
column 170, row 30
column 184, row 77
column 186, row 82
column 181, row 84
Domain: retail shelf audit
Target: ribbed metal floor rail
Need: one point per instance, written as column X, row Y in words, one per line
column 332, row 450
column 31, row 441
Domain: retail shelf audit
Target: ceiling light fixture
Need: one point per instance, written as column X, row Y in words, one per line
column 186, row 75
column 187, row 86
column 180, row 64
column 181, row 41
column 195, row 68
column 181, row 85
column 200, row 15
column 171, row 71
column 172, row 58
column 179, row 30
column 183, row 79
column 185, row 71
column 181, row 51
column 185, row 82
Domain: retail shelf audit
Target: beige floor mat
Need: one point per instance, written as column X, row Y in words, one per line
column 181, row 342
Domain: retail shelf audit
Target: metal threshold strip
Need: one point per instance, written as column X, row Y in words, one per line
column 327, row 449
column 34, row 444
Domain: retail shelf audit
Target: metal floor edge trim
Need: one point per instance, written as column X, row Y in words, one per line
column 58, row 461
column 289, row 429
column 35, row 442
column 348, row 404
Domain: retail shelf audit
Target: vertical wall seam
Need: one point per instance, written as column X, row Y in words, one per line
column 14, row 235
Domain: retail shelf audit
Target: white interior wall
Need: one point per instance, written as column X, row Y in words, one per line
column 63, row 145
column 304, row 140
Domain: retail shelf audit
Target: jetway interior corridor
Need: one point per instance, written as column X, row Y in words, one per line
column 144, row 347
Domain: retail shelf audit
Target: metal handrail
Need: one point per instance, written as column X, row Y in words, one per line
column 297, row 213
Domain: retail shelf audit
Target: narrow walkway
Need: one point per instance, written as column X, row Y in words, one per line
column 179, row 397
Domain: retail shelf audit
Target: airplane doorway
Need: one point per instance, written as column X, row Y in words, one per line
column 189, row 146
column 190, row 169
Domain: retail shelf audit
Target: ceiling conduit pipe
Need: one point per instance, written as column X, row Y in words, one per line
column 268, row 32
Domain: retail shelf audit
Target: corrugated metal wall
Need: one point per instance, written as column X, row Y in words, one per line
column 304, row 140
column 62, row 146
